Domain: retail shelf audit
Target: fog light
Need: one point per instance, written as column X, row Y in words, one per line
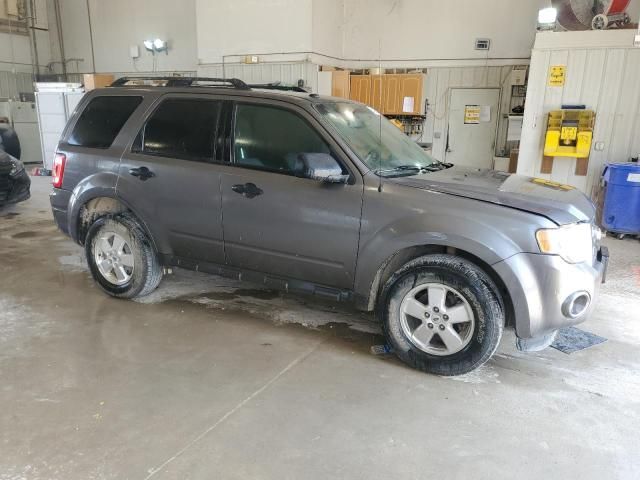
column 576, row 304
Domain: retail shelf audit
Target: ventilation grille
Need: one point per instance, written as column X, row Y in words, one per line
column 483, row 44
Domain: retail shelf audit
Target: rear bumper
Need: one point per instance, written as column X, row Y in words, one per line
column 59, row 204
column 542, row 288
column 15, row 189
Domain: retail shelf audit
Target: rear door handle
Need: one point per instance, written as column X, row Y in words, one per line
column 143, row 173
column 249, row 190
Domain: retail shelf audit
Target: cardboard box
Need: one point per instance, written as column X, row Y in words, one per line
column 97, row 80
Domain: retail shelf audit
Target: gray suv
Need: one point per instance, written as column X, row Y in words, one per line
column 322, row 196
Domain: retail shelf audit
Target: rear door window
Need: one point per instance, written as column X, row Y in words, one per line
column 181, row 128
column 102, row 119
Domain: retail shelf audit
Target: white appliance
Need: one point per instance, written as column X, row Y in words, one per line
column 25, row 122
column 54, row 109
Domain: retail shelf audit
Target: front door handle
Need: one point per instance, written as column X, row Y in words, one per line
column 249, row 190
column 143, row 173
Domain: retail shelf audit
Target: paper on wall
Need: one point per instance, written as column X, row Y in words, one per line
column 485, row 113
column 408, row 104
column 472, row 114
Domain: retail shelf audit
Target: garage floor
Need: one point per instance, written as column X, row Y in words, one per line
column 207, row 379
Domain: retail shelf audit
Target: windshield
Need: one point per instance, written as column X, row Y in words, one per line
column 379, row 144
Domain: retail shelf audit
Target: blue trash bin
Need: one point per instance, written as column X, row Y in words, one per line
column 621, row 211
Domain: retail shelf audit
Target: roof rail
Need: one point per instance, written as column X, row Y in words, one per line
column 184, row 81
column 278, row 86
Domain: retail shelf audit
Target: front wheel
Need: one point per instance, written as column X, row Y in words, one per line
column 441, row 315
column 121, row 257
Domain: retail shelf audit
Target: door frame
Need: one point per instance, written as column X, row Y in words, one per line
column 497, row 125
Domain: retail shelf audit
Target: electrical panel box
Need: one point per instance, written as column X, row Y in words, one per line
column 519, row 76
column 569, row 133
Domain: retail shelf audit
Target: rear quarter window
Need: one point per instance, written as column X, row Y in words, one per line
column 101, row 121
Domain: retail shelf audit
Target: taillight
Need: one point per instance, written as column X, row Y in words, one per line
column 58, row 169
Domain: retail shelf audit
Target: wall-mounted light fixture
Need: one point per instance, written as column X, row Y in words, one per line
column 157, row 45
column 547, row 18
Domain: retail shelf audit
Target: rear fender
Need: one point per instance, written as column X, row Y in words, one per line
column 100, row 185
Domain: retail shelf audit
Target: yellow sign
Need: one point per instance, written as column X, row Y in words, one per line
column 569, row 133
column 557, row 75
column 472, row 114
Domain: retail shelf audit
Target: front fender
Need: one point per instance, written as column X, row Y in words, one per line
column 487, row 243
column 401, row 218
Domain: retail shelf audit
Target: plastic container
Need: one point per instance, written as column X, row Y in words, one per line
column 621, row 210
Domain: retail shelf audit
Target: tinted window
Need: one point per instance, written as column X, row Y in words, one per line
column 101, row 121
column 182, row 128
column 272, row 138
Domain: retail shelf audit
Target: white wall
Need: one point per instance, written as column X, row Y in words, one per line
column 328, row 27
column 252, row 27
column 603, row 72
column 436, row 29
column 118, row 24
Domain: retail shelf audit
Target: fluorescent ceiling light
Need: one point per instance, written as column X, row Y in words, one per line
column 547, row 16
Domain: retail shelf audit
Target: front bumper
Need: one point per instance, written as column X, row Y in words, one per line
column 14, row 189
column 539, row 286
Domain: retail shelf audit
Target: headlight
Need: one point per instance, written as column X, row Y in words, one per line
column 16, row 167
column 574, row 243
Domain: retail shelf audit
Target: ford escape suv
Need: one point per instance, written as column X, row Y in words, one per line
column 322, row 196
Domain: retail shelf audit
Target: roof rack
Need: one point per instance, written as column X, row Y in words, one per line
column 185, row 81
column 278, row 86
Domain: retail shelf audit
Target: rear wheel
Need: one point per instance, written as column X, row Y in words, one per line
column 121, row 257
column 442, row 315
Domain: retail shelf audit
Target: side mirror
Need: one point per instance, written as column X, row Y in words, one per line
column 320, row 166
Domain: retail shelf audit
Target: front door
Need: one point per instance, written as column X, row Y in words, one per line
column 473, row 118
column 276, row 222
column 170, row 180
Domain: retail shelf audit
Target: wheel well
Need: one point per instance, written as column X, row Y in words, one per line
column 94, row 209
column 402, row 257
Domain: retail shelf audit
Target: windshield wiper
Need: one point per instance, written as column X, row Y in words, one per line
column 402, row 170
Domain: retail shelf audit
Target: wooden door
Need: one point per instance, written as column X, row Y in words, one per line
column 377, row 93
column 391, row 95
column 361, row 89
column 411, row 93
column 340, row 84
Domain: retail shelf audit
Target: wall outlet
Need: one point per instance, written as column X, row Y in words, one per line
column 599, row 146
column 134, row 51
column 251, row 59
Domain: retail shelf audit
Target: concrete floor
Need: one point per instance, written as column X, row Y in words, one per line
column 207, row 379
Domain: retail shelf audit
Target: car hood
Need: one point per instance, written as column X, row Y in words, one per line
column 560, row 203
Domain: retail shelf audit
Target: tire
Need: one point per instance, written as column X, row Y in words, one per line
column 140, row 272
column 461, row 305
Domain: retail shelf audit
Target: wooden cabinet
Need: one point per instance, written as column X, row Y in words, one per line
column 377, row 92
column 392, row 101
column 361, row 89
column 390, row 94
column 411, row 93
column 340, row 83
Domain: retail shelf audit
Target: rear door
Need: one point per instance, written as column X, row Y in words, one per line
column 278, row 223
column 169, row 177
